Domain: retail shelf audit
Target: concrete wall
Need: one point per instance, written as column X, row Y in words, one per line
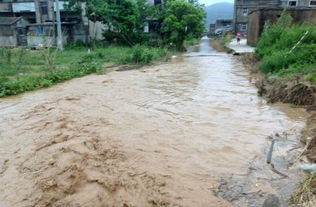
column 257, row 20
column 71, row 33
column 5, row 7
column 8, row 41
column 253, row 5
column 36, row 41
column 8, row 36
column 254, row 29
column 96, row 30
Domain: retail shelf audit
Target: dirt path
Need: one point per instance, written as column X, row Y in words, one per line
column 160, row 136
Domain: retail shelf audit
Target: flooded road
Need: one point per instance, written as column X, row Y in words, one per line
column 159, row 136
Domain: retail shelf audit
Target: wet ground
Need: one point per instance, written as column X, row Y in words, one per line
column 163, row 135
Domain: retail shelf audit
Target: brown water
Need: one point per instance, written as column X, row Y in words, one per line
column 160, row 136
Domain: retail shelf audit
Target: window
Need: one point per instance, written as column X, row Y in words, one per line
column 245, row 11
column 292, row 3
column 39, row 30
column 146, row 28
column 157, row 2
column 312, row 3
column 43, row 6
column 244, row 27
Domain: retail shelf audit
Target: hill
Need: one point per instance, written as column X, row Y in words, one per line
column 223, row 10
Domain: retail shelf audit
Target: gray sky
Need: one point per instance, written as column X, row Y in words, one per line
column 209, row 2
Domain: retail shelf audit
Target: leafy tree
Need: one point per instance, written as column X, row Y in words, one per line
column 124, row 19
column 182, row 19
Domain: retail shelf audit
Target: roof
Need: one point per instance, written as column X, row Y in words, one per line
column 51, row 24
column 9, row 20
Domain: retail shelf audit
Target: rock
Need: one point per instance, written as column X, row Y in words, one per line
column 273, row 201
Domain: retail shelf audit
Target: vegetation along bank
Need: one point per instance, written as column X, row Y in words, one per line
column 286, row 55
column 179, row 24
column 24, row 69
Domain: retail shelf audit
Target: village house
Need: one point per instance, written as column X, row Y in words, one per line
column 212, row 29
column 11, row 31
column 245, row 7
column 222, row 26
column 32, row 23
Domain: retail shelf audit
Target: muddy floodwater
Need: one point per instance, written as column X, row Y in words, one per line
column 159, row 136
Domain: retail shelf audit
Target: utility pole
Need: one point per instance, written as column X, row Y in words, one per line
column 54, row 21
column 59, row 34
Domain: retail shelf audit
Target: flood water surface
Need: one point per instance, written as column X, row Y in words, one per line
column 159, row 136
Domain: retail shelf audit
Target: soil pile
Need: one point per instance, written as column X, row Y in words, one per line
column 278, row 90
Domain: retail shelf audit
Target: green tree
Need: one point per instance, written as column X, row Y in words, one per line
column 124, row 19
column 182, row 19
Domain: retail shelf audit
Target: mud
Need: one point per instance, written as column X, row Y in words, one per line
column 287, row 91
column 261, row 180
column 296, row 92
column 162, row 135
column 309, row 137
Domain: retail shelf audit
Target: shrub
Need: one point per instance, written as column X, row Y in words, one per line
column 311, row 77
column 287, row 49
column 32, row 82
column 144, row 55
column 71, row 63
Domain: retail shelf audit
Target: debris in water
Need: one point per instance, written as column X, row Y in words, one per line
column 310, row 168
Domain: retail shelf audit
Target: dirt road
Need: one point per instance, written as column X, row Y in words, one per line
column 159, row 136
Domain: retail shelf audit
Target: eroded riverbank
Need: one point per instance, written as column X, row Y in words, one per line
column 160, row 136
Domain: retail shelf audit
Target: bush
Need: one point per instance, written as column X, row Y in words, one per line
column 144, row 55
column 285, row 48
column 283, row 60
column 32, row 82
column 141, row 54
column 311, row 77
column 74, row 61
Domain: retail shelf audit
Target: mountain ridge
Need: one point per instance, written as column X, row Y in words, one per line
column 224, row 10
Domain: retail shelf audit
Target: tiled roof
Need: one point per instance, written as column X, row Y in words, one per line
column 9, row 20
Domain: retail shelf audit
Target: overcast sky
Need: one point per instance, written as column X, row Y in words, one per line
column 209, row 2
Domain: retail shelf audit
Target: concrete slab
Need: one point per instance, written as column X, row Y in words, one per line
column 241, row 47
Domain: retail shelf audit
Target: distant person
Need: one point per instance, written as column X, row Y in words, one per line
column 238, row 37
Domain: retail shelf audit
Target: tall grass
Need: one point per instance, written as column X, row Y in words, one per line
column 24, row 70
column 219, row 43
column 287, row 49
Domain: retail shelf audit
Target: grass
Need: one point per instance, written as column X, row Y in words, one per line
column 191, row 42
column 219, row 43
column 305, row 196
column 24, row 70
column 288, row 50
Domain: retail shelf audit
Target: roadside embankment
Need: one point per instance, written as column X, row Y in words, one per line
column 287, row 159
column 220, row 43
column 276, row 89
column 297, row 92
column 285, row 58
